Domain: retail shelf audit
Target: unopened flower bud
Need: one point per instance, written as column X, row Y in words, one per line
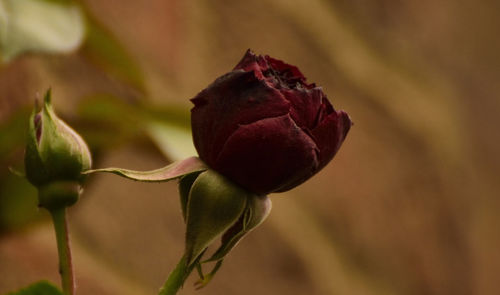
column 55, row 157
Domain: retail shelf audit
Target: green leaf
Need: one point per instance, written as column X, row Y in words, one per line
column 103, row 114
column 214, row 205
column 173, row 171
column 39, row 26
column 13, row 132
column 18, row 203
column 105, row 50
column 167, row 126
column 39, row 288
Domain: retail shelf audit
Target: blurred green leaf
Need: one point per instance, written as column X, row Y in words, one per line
column 18, row 202
column 39, row 26
column 106, row 120
column 167, row 127
column 170, row 129
column 13, row 132
column 173, row 140
column 39, row 288
column 104, row 49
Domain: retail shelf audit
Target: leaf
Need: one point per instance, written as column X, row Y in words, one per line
column 13, row 132
column 105, row 50
column 39, row 288
column 18, row 203
column 39, row 26
column 103, row 114
column 173, row 171
column 167, row 126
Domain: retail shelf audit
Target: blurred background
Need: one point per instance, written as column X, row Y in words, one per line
column 409, row 205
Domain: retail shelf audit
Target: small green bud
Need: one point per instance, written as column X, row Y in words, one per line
column 55, row 155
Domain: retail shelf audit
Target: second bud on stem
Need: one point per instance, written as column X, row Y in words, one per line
column 55, row 158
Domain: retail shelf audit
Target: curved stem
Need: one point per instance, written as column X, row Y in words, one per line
column 64, row 250
column 176, row 278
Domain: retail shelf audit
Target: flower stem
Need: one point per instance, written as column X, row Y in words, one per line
column 64, row 250
column 176, row 278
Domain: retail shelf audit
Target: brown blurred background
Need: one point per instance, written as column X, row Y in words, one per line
column 408, row 206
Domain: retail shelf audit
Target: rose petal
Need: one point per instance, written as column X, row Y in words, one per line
column 330, row 134
column 290, row 72
column 235, row 99
column 251, row 62
column 268, row 154
column 304, row 105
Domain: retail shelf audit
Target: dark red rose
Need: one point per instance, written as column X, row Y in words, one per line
column 264, row 127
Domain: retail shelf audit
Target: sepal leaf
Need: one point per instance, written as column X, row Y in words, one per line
column 215, row 204
column 206, row 278
column 257, row 210
column 185, row 184
column 170, row 172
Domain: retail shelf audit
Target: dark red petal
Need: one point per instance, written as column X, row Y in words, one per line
column 281, row 66
column 288, row 72
column 234, row 99
column 251, row 62
column 305, row 105
column 330, row 134
column 267, row 155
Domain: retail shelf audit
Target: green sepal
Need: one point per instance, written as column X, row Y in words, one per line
column 185, row 184
column 206, row 278
column 256, row 211
column 54, row 151
column 34, row 167
column 58, row 194
column 214, row 205
column 173, row 171
column 38, row 288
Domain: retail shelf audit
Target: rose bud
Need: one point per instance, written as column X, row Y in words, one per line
column 55, row 157
column 264, row 127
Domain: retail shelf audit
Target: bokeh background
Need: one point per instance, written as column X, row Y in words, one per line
column 409, row 205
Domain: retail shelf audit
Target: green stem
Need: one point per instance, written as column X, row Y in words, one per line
column 64, row 250
column 176, row 278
